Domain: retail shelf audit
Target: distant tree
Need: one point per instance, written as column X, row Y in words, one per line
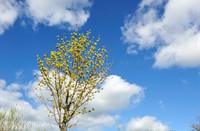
column 72, row 74
column 11, row 120
column 196, row 127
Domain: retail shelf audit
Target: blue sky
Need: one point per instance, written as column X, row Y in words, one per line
column 154, row 44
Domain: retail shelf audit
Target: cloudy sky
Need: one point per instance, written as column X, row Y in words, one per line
column 155, row 45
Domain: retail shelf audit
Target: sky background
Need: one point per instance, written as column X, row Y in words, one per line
column 155, row 45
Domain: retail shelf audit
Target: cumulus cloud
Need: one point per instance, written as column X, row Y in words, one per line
column 146, row 123
column 95, row 122
column 2, row 83
column 131, row 50
column 58, row 12
column 10, row 97
column 170, row 26
column 9, row 12
column 117, row 94
column 62, row 13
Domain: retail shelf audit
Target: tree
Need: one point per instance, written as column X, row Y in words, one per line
column 12, row 121
column 196, row 127
column 72, row 74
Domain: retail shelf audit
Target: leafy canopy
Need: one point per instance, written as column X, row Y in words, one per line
column 72, row 74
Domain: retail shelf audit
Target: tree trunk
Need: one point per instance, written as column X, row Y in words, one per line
column 64, row 127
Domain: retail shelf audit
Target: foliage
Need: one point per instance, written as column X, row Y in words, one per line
column 196, row 127
column 72, row 74
column 12, row 121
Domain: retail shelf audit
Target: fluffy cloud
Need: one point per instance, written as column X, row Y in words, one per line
column 91, row 122
column 62, row 13
column 146, row 123
column 10, row 97
column 118, row 94
column 2, row 83
column 58, row 12
column 131, row 50
column 9, row 12
column 170, row 26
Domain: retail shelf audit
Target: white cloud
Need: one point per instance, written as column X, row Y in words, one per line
column 13, row 87
column 14, row 98
column 91, row 122
column 184, row 52
column 132, row 50
column 62, row 13
column 32, row 93
column 118, row 94
column 9, row 12
column 58, row 12
column 150, row 2
column 146, row 123
column 2, row 83
column 174, row 31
